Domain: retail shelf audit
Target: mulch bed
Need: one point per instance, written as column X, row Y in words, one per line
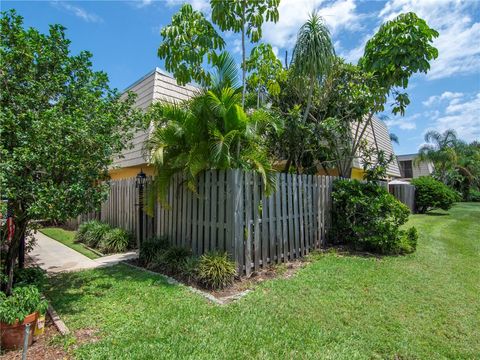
column 42, row 348
column 241, row 283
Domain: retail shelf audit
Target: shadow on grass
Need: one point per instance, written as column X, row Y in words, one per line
column 71, row 293
column 437, row 214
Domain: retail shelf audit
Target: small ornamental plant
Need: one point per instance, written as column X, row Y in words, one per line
column 216, row 270
column 24, row 301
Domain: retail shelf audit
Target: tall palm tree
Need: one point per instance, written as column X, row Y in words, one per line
column 313, row 54
column 211, row 131
column 440, row 150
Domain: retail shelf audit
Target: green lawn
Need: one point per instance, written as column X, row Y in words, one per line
column 66, row 237
column 421, row 306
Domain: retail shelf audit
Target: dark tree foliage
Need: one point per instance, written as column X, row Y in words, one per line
column 60, row 127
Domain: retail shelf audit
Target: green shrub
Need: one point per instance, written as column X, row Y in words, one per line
column 367, row 217
column 115, row 240
column 30, row 276
column 473, row 195
column 23, row 301
column 432, row 194
column 215, row 270
column 408, row 241
column 151, row 248
column 92, row 232
column 190, row 269
column 173, row 259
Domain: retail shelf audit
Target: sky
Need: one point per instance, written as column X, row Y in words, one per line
column 124, row 36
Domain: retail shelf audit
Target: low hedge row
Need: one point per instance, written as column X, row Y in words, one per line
column 98, row 235
column 213, row 270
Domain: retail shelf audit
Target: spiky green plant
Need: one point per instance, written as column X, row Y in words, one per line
column 313, row 54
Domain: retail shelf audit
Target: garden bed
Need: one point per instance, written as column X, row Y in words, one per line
column 241, row 284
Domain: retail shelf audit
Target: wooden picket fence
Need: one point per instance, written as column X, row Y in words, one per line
column 404, row 193
column 231, row 212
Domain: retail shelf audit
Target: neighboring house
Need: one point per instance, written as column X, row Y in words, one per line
column 160, row 86
column 378, row 137
column 157, row 85
column 411, row 169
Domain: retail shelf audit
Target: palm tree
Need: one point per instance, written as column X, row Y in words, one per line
column 394, row 138
column 313, row 54
column 211, row 131
column 440, row 150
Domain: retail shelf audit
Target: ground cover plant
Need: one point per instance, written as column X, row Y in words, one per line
column 420, row 306
column 67, row 237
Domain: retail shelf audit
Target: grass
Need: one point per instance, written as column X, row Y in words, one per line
column 66, row 237
column 421, row 306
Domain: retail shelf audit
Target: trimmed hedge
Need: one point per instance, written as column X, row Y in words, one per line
column 366, row 217
column 431, row 194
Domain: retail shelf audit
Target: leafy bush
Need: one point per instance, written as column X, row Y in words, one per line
column 408, row 241
column 190, row 269
column 432, row 194
column 474, row 195
column 115, row 240
column 367, row 217
column 215, row 270
column 23, row 301
column 91, row 233
column 30, row 276
column 173, row 259
column 151, row 248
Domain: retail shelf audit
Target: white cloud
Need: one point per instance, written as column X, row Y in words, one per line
column 237, row 46
column 78, row 12
column 142, row 3
column 201, row 5
column 462, row 115
column 458, row 43
column 338, row 15
column 447, row 95
column 403, row 123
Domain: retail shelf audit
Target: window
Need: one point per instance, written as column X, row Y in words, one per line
column 406, row 168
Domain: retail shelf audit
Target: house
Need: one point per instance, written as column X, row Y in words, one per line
column 412, row 169
column 161, row 86
column 157, row 85
column 378, row 137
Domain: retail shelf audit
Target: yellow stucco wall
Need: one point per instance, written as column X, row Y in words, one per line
column 130, row 172
column 356, row 173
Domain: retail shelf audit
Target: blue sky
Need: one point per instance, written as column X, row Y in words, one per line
column 124, row 36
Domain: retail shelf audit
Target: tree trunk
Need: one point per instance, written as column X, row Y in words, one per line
column 20, row 227
column 309, row 100
column 244, row 84
column 258, row 98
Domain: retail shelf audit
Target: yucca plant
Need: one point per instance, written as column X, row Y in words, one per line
column 215, row 270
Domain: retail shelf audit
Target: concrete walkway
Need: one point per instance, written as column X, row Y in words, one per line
column 55, row 257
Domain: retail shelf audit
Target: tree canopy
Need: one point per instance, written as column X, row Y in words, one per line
column 60, row 127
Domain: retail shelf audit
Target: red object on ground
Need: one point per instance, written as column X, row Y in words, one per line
column 12, row 334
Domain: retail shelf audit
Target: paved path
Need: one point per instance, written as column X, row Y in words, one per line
column 54, row 257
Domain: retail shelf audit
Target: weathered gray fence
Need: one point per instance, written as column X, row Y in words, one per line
column 231, row 212
column 404, row 193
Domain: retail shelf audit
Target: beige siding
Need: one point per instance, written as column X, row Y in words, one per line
column 155, row 86
column 424, row 168
column 378, row 136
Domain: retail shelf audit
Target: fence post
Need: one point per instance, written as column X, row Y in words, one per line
column 235, row 225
